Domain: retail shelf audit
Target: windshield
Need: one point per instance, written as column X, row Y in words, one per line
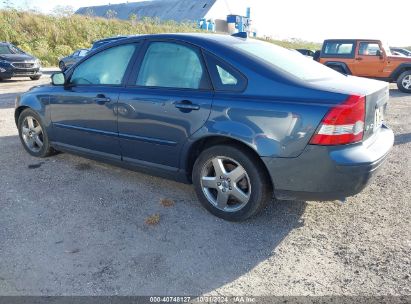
column 288, row 61
column 9, row 49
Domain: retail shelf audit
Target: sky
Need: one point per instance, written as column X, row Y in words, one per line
column 313, row 20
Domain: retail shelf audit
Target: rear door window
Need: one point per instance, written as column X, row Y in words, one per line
column 173, row 65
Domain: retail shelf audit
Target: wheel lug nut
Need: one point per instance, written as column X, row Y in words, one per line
column 228, row 180
column 223, row 190
column 221, row 177
column 218, row 184
column 230, row 188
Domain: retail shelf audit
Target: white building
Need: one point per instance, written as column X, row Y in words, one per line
column 177, row 10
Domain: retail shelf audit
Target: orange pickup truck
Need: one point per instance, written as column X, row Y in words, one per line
column 367, row 58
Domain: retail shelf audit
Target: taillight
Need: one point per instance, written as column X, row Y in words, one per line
column 343, row 124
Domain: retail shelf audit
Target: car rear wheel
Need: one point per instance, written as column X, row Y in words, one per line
column 35, row 78
column 404, row 82
column 33, row 134
column 231, row 183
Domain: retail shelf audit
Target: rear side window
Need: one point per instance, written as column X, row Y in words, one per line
column 104, row 68
column 173, row 65
column 338, row 48
column 225, row 77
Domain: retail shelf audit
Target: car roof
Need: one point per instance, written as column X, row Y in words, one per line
column 200, row 39
column 354, row 39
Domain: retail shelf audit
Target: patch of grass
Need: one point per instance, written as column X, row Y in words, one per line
column 49, row 37
column 153, row 219
column 165, row 202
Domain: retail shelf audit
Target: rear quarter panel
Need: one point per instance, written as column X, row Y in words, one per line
column 276, row 115
column 274, row 126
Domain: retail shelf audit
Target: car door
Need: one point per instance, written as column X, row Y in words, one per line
column 369, row 59
column 83, row 112
column 168, row 98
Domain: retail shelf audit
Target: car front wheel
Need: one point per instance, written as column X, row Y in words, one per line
column 231, row 182
column 33, row 134
column 404, row 82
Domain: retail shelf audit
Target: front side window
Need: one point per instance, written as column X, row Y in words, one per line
column 172, row 65
column 368, row 48
column 105, row 68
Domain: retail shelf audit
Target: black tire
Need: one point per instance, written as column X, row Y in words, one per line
column 62, row 66
column 35, row 77
column 46, row 149
column 401, row 81
column 260, row 189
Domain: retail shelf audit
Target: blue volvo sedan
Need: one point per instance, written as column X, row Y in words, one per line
column 241, row 119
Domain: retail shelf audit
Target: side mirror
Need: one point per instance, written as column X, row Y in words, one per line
column 58, row 79
column 379, row 54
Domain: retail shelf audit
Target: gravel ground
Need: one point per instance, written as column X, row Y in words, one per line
column 71, row 226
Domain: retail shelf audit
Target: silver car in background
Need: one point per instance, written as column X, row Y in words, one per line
column 68, row 61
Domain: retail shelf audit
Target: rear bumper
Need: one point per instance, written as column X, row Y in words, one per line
column 328, row 172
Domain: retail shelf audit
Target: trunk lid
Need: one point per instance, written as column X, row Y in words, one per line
column 376, row 97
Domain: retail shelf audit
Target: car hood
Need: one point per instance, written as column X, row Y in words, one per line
column 400, row 58
column 16, row 57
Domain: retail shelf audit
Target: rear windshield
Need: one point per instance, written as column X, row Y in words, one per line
column 288, row 61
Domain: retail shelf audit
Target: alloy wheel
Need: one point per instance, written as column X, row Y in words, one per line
column 406, row 82
column 32, row 134
column 225, row 184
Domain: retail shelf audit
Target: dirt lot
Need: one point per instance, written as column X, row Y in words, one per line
column 71, row 226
